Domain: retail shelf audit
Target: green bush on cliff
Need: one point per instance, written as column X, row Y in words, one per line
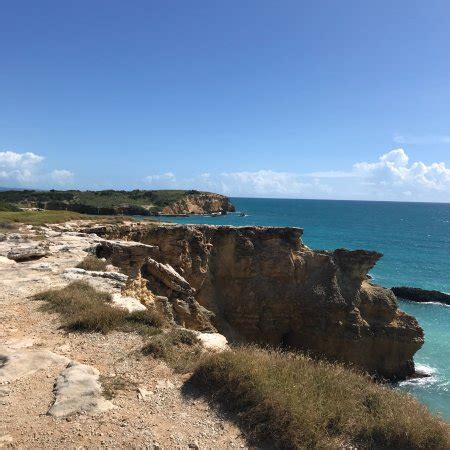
column 294, row 402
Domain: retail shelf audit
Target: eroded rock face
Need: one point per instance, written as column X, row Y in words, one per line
column 263, row 285
column 203, row 203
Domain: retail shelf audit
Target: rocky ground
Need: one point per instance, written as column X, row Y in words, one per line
column 54, row 385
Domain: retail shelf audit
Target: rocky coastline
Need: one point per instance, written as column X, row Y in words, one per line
column 210, row 287
column 263, row 285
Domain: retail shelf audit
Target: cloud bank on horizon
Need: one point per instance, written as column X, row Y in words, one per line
column 392, row 177
column 24, row 169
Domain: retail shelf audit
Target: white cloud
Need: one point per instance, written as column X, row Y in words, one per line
column 395, row 170
column 258, row 183
column 18, row 166
column 263, row 182
column 26, row 169
column 62, row 176
column 163, row 180
column 393, row 176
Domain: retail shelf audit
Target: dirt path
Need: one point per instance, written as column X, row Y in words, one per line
column 150, row 410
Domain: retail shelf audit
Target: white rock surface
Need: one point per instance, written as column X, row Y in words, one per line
column 117, row 276
column 20, row 364
column 78, row 390
column 7, row 261
column 129, row 303
column 213, row 342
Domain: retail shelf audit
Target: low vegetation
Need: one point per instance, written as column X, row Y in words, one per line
column 7, row 226
column 91, row 262
column 84, row 309
column 8, row 207
column 179, row 348
column 112, row 385
column 40, row 217
column 293, row 402
column 96, row 202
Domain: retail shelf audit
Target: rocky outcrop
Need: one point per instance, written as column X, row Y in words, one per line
column 421, row 295
column 263, row 285
column 130, row 256
column 28, row 253
column 201, row 203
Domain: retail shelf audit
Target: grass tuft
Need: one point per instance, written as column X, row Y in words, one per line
column 296, row 403
column 91, row 262
column 112, row 385
column 179, row 348
column 84, row 309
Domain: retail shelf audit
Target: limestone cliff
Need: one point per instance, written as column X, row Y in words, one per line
column 201, row 203
column 264, row 285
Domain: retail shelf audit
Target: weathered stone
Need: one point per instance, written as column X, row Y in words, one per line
column 78, row 390
column 167, row 275
column 129, row 303
column 116, row 276
column 129, row 256
column 213, row 342
column 22, row 254
column 21, row 364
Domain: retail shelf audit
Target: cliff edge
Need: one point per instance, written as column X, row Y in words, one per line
column 264, row 285
column 201, row 203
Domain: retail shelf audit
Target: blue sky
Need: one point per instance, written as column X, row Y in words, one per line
column 316, row 99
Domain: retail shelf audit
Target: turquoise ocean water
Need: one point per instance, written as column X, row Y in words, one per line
column 415, row 241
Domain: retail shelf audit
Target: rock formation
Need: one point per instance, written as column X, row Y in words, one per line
column 264, row 285
column 28, row 253
column 202, row 203
column 421, row 295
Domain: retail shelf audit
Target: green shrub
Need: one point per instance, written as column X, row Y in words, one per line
column 8, row 207
column 295, row 402
column 82, row 308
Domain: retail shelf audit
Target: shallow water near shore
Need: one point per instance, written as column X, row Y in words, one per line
column 415, row 241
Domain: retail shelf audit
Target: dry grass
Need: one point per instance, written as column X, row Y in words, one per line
column 294, row 402
column 179, row 348
column 7, row 226
column 38, row 218
column 111, row 386
column 84, row 309
column 91, row 262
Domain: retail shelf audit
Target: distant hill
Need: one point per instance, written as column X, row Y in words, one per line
column 136, row 202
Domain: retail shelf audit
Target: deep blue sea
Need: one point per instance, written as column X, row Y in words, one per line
column 415, row 241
